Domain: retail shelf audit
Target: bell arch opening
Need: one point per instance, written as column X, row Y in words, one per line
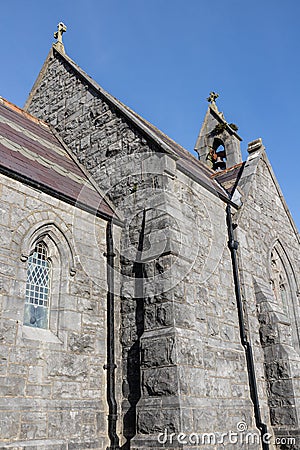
column 219, row 154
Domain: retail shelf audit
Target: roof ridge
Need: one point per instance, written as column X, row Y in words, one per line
column 138, row 119
column 150, row 124
column 165, row 143
column 183, row 149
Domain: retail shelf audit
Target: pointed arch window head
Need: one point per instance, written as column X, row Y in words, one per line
column 38, row 287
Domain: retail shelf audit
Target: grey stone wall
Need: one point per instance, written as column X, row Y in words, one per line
column 184, row 368
column 263, row 223
column 52, row 382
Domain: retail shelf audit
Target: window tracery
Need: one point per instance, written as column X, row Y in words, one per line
column 36, row 312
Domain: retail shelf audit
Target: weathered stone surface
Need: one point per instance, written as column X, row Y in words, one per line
column 160, row 352
column 81, row 343
column 264, row 227
column 12, row 387
column 283, row 416
column 33, row 426
column 160, row 381
column 44, row 377
column 9, row 425
column 155, row 421
column 68, row 366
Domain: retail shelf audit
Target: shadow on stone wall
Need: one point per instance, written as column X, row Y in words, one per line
column 133, row 371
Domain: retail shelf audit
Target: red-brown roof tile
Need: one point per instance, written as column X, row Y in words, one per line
column 229, row 178
column 30, row 152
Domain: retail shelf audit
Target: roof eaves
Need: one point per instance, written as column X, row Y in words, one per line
column 56, row 194
column 9, row 171
column 229, row 178
column 17, row 109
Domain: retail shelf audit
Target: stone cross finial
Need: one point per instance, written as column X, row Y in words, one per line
column 61, row 28
column 212, row 97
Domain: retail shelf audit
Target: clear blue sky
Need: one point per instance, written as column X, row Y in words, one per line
column 163, row 57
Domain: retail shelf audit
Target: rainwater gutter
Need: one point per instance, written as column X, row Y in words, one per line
column 233, row 246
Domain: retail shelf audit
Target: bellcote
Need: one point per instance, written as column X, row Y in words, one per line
column 218, row 144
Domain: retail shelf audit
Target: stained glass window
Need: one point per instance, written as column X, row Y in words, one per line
column 37, row 288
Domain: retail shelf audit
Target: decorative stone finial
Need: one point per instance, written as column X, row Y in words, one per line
column 255, row 145
column 61, row 28
column 212, row 97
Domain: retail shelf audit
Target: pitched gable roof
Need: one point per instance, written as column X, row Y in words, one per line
column 31, row 153
column 186, row 162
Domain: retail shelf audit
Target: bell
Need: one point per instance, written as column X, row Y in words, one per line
column 219, row 164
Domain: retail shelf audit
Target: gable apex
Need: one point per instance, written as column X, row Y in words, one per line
column 55, row 52
column 186, row 161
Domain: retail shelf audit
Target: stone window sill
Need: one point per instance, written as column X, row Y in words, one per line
column 39, row 334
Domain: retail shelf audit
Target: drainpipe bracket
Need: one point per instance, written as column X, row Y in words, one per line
column 109, row 366
column 107, row 254
column 232, row 244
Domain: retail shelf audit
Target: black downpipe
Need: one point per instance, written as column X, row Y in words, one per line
column 111, row 366
column 233, row 246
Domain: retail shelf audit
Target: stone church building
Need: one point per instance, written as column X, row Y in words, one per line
column 148, row 299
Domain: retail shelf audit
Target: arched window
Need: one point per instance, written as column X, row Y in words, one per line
column 284, row 287
column 279, row 280
column 38, row 282
column 48, row 265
